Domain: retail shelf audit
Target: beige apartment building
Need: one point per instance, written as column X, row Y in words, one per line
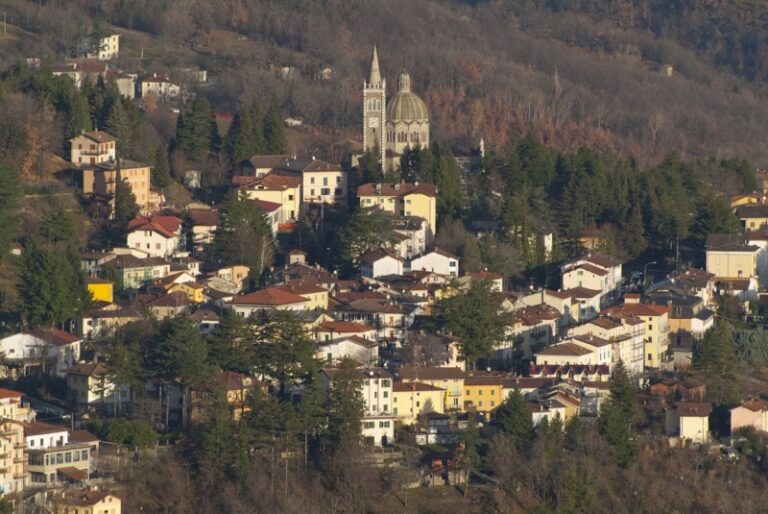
column 100, row 180
column 93, row 148
column 656, row 321
column 733, row 261
column 324, row 183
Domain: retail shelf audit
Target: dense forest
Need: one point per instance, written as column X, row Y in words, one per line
column 573, row 72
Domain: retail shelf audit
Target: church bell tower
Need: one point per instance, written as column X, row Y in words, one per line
column 374, row 108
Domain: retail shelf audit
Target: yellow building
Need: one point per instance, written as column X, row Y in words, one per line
column 193, row 290
column 405, row 199
column 482, row 393
column 282, row 190
column 753, row 216
column 101, row 290
column 747, row 199
column 316, row 294
column 656, row 322
column 451, row 380
column 87, row 502
column 733, row 261
column 409, row 400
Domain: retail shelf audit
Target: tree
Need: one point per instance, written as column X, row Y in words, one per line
column 617, row 416
column 243, row 235
column 228, row 345
column 161, row 174
column 285, row 351
column 514, row 420
column 716, row 353
column 634, row 232
column 196, row 132
column 274, row 129
column 245, row 136
column 369, row 167
column 368, row 229
column 126, row 207
column 474, row 319
column 117, row 122
column 345, row 406
column 10, row 194
column 58, row 226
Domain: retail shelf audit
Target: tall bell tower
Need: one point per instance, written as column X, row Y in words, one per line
column 374, row 108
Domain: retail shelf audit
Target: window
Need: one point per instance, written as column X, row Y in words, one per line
column 385, row 394
column 385, row 383
column 383, row 424
column 468, row 392
column 325, row 181
column 311, row 180
column 385, row 408
column 325, row 191
column 84, row 454
column 68, row 457
column 452, row 264
column 369, row 424
column 418, row 404
column 311, row 192
column 650, row 357
column 59, row 458
column 290, row 198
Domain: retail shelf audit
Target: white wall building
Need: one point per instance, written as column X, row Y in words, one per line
column 437, row 261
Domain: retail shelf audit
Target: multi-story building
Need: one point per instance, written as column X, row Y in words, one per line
column 162, row 87
column 282, row 190
column 134, row 272
column 594, row 271
column 87, row 501
column 100, row 179
column 378, row 421
column 626, row 333
column 14, row 473
column 405, row 199
column 324, row 183
column 415, row 398
column 656, row 321
column 451, row 380
column 109, row 48
column 93, row 148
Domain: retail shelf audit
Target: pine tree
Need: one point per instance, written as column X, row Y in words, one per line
column 196, row 132
column 345, row 406
column 514, row 420
column 126, row 207
column 161, row 173
column 243, row 236
column 716, row 353
column 228, row 346
column 369, row 168
column 274, row 129
column 366, row 230
column 617, row 415
column 634, row 232
column 117, row 122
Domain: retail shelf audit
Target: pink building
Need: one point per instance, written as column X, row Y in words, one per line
column 752, row 413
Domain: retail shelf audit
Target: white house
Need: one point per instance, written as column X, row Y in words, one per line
column 329, row 330
column 158, row 236
column 88, row 384
column 352, row 347
column 109, row 48
column 49, row 350
column 92, row 148
column 567, row 353
column 40, row 435
column 594, row 271
column 162, row 87
column 437, row 261
column 411, row 233
column 379, row 263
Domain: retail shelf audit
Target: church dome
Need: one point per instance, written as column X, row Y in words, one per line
column 406, row 105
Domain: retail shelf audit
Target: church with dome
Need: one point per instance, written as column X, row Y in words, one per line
column 389, row 127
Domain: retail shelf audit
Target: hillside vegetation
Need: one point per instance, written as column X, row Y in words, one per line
column 575, row 72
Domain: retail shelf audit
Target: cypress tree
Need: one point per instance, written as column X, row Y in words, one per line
column 274, row 129
column 10, row 194
column 161, row 174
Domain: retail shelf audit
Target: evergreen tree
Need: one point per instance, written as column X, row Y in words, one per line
column 274, row 129
column 126, row 207
column 10, row 194
column 634, row 233
column 58, row 226
column 222, row 446
column 716, row 352
column 196, row 132
column 228, row 346
column 514, row 420
column 285, row 351
column 617, row 416
column 180, row 353
column 161, row 173
column 367, row 229
column 369, row 168
column 245, row 136
column 345, row 406
column 474, row 318
column 446, row 176
column 116, row 122
column 243, row 236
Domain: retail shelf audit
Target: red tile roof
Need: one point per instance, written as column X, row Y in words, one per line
column 266, row 206
column 567, row 349
column 405, row 188
column 270, row 296
column 638, row 309
column 430, row 373
column 8, row 393
column 55, row 336
column 403, row 387
column 204, row 217
column 377, row 254
column 166, row 226
column 692, row 409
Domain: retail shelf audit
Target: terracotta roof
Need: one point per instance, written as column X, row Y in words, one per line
column 318, row 166
column 402, row 387
column 430, row 373
column 302, row 288
column 590, row 268
column 174, row 299
column 344, row 327
column 55, row 336
column 582, row 292
column 8, row 393
column 691, row 409
column 243, row 180
column 593, row 340
column 167, row 226
column 78, row 475
column 405, row 188
column 266, row 206
column 99, row 136
column 567, row 349
column 87, row 369
column 39, row 428
column 755, row 405
column 377, row 254
column 274, row 182
column 269, row 296
column 204, row 217
column 82, row 436
column 638, row 309
column 440, row 251
column 360, row 341
column 602, row 260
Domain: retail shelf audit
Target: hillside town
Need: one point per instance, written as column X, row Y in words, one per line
column 357, row 300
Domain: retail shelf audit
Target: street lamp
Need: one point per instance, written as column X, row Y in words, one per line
column 645, row 270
